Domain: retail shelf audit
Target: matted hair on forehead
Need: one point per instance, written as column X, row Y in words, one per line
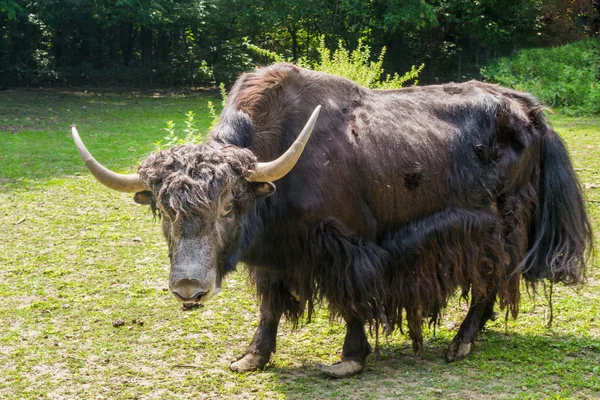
column 187, row 179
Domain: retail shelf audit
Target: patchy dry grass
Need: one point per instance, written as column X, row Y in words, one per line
column 76, row 257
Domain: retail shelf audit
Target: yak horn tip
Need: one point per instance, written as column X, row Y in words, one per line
column 277, row 169
column 130, row 183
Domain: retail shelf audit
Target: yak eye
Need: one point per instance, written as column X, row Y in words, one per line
column 227, row 209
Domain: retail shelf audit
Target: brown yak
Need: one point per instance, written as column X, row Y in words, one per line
column 399, row 199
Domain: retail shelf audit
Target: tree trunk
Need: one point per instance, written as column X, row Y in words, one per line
column 294, row 34
column 127, row 34
column 162, row 49
column 146, row 42
column 61, row 51
column 114, row 45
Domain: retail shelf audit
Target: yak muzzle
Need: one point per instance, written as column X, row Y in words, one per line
column 188, row 290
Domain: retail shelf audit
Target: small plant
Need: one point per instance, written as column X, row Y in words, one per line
column 171, row 139
column 192, row 134
column 211, row 107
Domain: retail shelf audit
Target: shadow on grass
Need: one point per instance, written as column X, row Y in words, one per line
column 501, row 365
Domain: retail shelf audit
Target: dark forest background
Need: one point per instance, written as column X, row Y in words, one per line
column 203, row 42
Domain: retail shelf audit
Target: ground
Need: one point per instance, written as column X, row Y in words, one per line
column 85, row 311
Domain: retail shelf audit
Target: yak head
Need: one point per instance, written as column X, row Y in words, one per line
column 201, row 193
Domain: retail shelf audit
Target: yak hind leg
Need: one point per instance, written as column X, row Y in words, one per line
column 488, row 311
column 480, row 311
column 354, row 353
column 414, row 317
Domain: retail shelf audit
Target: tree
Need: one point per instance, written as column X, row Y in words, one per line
column 194, row 42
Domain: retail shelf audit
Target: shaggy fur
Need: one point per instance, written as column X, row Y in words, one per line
column 187, row 179
column 399, row 199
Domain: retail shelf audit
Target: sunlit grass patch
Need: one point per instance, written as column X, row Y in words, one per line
column 85, row 311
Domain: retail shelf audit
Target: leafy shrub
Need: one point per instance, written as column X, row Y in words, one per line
column 355, row 65
column 566, row 77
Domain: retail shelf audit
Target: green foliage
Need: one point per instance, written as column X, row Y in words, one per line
column 10, row 7
column 402, row 15
column 201, row 42
column 566, row 77
column 357, row 66
column 267, row 54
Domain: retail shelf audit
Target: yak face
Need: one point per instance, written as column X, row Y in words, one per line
column 201, row 194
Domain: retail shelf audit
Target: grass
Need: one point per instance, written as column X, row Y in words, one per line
column 77, row 259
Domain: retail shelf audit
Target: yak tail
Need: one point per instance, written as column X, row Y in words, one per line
column 560, row 235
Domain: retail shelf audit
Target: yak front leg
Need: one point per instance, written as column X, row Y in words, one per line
column 354, row 353
column 258, row 353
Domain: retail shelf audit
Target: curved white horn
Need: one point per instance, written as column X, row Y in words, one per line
column 130, row 183
column 277, row 169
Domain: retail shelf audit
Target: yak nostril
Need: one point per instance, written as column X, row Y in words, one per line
column 198, row 295
column 188, row 290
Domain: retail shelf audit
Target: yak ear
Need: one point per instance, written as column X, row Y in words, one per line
column 144, row 197
column 263, row 189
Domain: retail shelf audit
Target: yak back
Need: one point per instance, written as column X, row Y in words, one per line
column 378, row 159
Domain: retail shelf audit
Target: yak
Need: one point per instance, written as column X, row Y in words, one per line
column 383, row 205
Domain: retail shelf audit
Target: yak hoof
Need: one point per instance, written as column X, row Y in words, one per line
column 342, row 369
column 458, row 350
column 249, row 362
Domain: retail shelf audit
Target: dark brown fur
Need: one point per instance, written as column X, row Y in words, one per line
column 400, row 199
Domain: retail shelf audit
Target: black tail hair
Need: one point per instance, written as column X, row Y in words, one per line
column 560, row 235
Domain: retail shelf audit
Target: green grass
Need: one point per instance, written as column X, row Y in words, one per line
column 76, row 257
